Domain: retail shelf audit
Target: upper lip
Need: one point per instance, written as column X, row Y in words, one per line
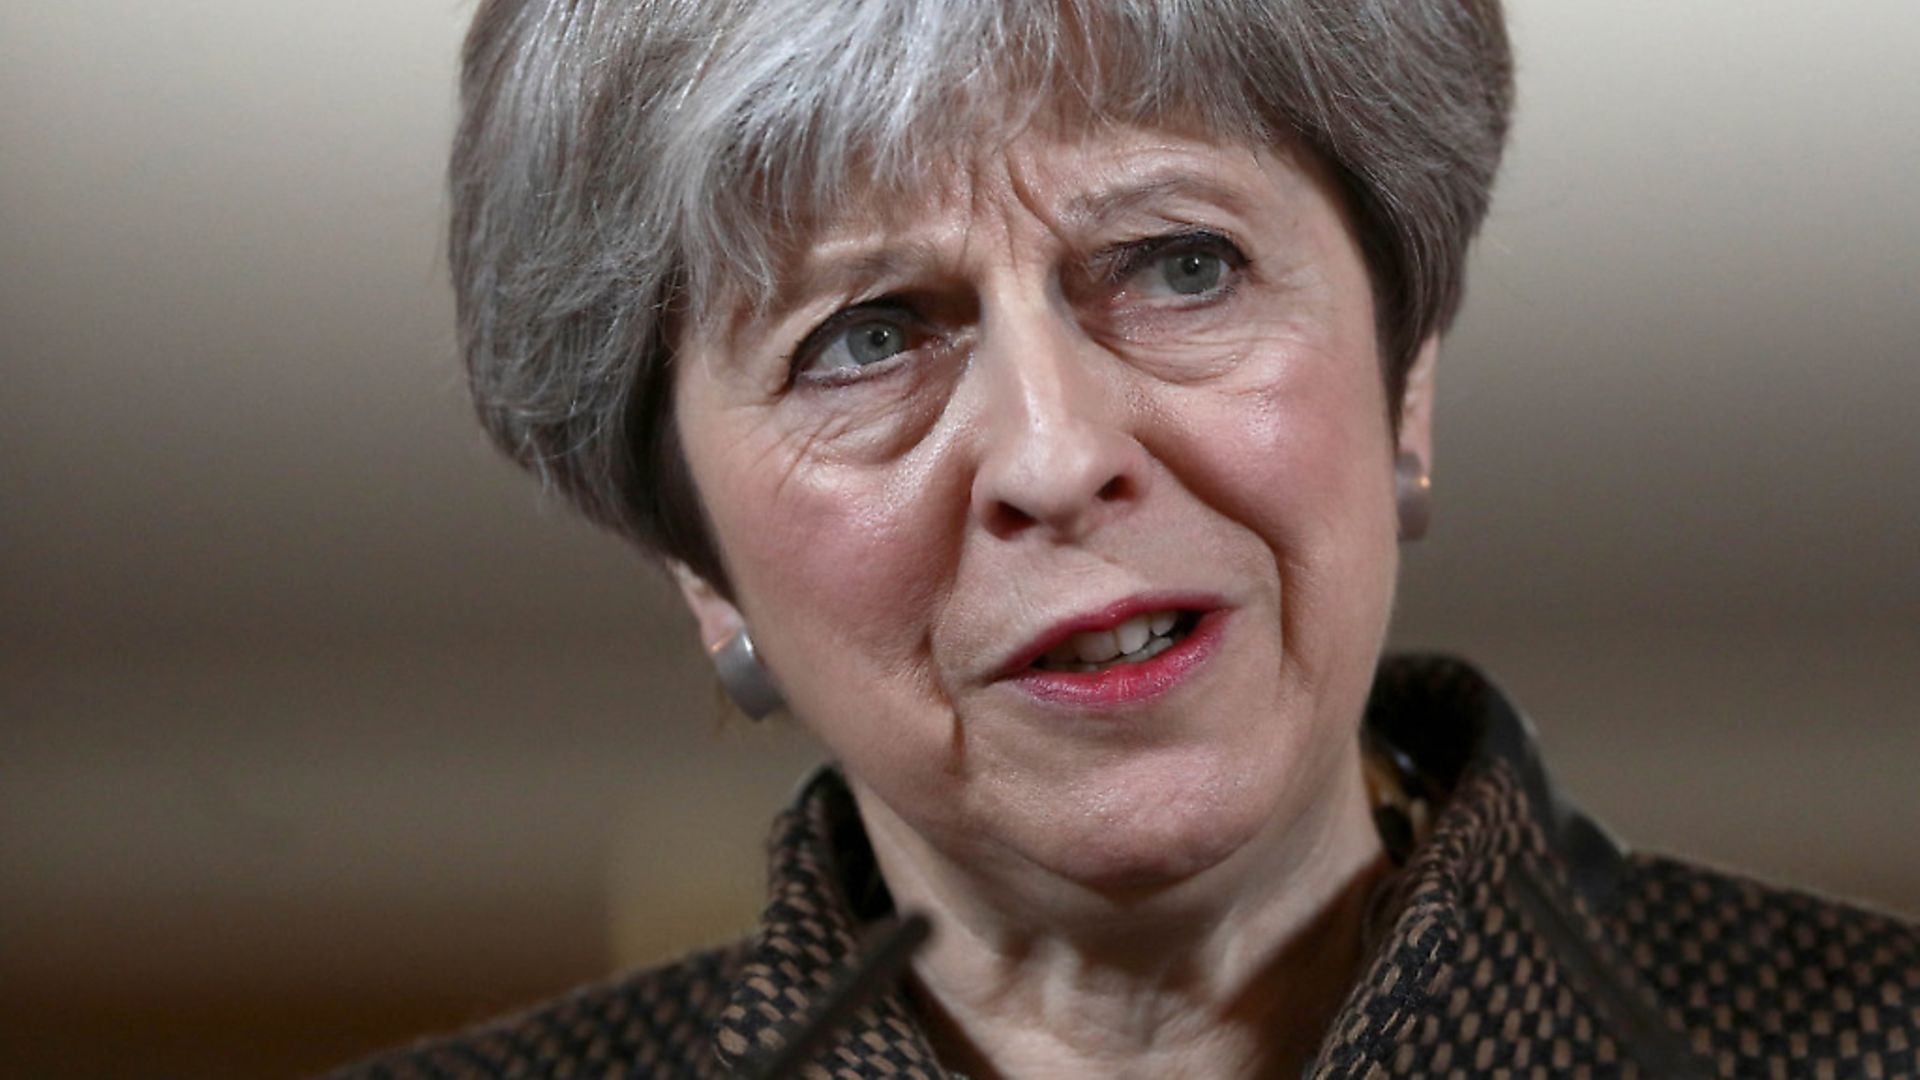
column 1105, row 618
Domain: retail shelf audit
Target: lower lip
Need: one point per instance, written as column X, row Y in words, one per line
column 1128, row 684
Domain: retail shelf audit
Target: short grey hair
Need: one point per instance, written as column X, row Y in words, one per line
column 622, row 165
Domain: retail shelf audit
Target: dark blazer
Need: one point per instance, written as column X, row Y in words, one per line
column 1526, row 943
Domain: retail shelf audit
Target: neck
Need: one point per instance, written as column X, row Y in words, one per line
column 1237, row 972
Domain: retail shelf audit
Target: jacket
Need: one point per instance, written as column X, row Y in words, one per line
column 1526, row 942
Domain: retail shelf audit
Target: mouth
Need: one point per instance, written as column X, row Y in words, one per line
column 1124, row 654
column 1135, row 641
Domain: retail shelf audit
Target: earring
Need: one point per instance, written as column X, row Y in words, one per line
column 1413, row 492
column 745, row 679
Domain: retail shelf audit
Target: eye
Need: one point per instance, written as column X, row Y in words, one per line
column 873, row 341
column 857, row 338
column 1192, row 266
column 1191, row 273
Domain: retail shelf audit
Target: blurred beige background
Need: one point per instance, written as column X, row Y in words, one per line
column 316, row 728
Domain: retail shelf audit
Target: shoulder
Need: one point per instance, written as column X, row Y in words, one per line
column 1768, row 976
column 654, row 1022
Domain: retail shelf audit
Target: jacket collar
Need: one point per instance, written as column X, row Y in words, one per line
column 1443, row 720
column 1451, row 732
column 825, row 893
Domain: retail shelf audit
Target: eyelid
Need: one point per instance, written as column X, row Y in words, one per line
column 822, row 336
column 1134, row 257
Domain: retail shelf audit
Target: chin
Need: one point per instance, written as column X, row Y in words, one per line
column 1122, row 875
column 1133, row 841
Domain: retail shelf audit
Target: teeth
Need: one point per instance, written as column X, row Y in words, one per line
column 1141, row 638
column 1062, row 656
column 1096, row 647
column 1154, row 648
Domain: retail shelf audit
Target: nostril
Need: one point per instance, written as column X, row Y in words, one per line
column 1114, row 489
column 1005, row 520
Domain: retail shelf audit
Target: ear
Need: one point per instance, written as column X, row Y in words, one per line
column 1416, row 404
column 718, row 618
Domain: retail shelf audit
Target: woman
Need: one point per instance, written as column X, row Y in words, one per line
column 1029, row 399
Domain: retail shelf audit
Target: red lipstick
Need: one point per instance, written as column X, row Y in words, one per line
column 1120, row 683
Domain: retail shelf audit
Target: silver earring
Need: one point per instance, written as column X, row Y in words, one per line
column 1413, row 492
column 745, row 679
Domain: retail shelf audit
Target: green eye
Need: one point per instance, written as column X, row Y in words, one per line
column 857, row 338
column 1181, row 269
column 874, row 341
column 1192, row 273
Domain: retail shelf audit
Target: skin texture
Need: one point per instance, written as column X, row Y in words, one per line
column 1058, row 423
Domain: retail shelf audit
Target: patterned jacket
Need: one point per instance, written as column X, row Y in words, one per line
column 1526, row 942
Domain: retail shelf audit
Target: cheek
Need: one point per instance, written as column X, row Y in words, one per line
column 1298, row 451
column 836, row 566
column 1299, row 455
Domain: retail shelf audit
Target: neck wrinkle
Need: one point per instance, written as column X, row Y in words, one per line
column 1167, row 985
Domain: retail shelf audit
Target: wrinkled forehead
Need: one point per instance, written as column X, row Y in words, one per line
column 1064, row 171
column 852, row 122
column 1079, row 189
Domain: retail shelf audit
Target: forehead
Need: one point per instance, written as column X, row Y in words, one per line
column 1076, row 186
column 1068, row 181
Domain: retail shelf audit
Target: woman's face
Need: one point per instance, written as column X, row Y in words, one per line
column 1115, row 394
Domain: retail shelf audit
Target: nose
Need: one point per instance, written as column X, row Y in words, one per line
column 1058, row 456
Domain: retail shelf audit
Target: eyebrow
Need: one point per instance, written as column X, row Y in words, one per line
column 837, row 275
column 1096, row 207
